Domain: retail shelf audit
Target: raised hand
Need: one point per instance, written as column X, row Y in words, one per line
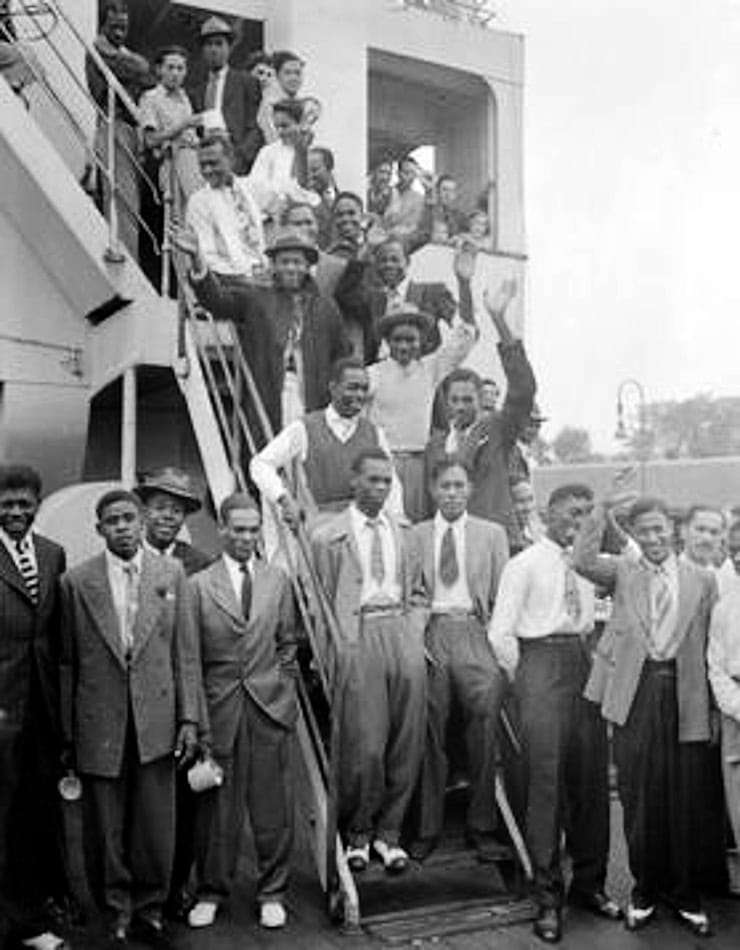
column 185, row 240
column 464, row 262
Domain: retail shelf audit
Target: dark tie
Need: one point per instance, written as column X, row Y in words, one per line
column 27, row 569
column 377, row 564
column 246, row 597
column 210, row 97
column 449, row 569
column 131, row 574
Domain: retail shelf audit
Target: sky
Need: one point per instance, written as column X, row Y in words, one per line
column 632, row 158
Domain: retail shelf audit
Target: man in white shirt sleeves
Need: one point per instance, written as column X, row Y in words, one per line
column 543, row 614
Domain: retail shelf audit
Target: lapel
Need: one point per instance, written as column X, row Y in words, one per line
column 470, row 548
column 689, row 593
column 223, row 594
column 426, row 541
column 96, row 591
column 228, row 89
column 11, row 575
column 344, row 537
column 641, row 598
column 46, row 575
column 153, row 580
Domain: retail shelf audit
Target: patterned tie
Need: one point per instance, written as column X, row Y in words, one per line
column 210, row 98
column 246, row 597
column 27, row 569
column 449, row 569
column 573, row 606
column 131, row 573
column 377, row 564
column 661, row 601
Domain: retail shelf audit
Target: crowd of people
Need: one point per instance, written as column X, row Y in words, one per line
column 159, row 684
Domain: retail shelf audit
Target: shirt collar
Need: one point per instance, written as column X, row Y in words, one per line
column 360, row 519
column 118, row 563
column 669, row 567
column 440, row 522
column 11, row 544
column 236, row 566
column 157, row 552
column 334, row 419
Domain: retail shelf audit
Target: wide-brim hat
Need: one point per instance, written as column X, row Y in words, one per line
column 292, row 240
column 215, row 26
column 408, row 314
column 171, row 481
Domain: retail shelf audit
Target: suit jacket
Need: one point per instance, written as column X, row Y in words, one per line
column 263, row 317
column 257, row 658
column 29, row 644
column 100, row 689
column 623, row 647
column 191, row 558
column 363, row 300
column 338, row 565
column 487, row 551
column 241, row 101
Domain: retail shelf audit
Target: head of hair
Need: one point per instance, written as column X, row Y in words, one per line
column 113, row 496
column 571, row 490
column 347, row 196
column 487, row 381
column 327, row 156
column 367, row 455
column 518, row 479
column 289, row 107
column 113, row 6
column 340, row 366
column 697, row 509
column 462, row 375
column 445, row 177
column 283, row 56
column 405, row 159
column 171, row 50
column 285, row 216
column 238, row 501
column 218, row 137
column 391, row 242
column 647, row 504
column 19, row 477
column 256, row 58
column 446, row 463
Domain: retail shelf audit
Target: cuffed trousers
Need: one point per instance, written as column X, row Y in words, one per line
column 461, row 667
column 257, row 781
column 565, row 750
column 382, row 720
column 660, row 786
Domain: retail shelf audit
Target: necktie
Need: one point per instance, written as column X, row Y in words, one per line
column 132, row 605
column 573, row 606
column 377, row 564
column 246, row 597
column 660, row 605
column 449, row 570
column 210, row 97
column 27, row 569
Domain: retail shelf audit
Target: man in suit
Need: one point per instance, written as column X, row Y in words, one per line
column 130, row 691
column 369, row 566
column 244, row 611
column 462, row 560
column 540, row 630
column 167, row 498
column 649, row 677
column 31, row 866
column 234, row 93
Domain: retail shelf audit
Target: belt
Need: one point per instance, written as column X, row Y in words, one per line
column 455, row 613
column 552, row 639
column 408, row 453
column 381, row 610
column 662, row 667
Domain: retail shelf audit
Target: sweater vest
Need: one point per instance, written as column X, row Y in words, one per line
column 328, row 464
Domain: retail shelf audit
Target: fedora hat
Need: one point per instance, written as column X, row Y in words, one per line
column 292, row 240
column 407, row 314
column 171, row 481
column 215, row 26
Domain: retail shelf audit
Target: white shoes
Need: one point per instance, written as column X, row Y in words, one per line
column 395, row 860
column 272, row 915
column 203, row 914
column 358, row 858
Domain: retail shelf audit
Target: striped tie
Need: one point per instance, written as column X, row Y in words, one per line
column 661, row 602
column 28, row 569
column 377, row 563
column 131, row 574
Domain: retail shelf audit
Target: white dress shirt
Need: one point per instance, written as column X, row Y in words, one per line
column 723, row 654
column 118, row 581
column 28, row 546
column 228, row 223
column 389, row 590
column 456, row 597
column 169, row 551
column 236, row 575
column 292, row 443
column 272, row 178
column 728, row 580
column 531, row 602
column 455, row 439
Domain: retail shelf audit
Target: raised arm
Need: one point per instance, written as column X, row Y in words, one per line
column 600, row 569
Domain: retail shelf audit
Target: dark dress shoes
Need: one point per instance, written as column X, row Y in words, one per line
column 596, row 902
column 150, row 929
column 420, row 849
column 548, row 925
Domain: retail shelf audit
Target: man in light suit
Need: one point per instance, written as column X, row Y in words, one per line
column 369, row 566
column 130, row 689
column 649, row 676
column 462, row 560
column 31, row 867
column 233, row 92
column 244, row 611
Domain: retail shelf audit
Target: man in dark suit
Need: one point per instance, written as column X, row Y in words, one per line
column 649, row 676
column 31, row 867
column 462, row 559
column 244, row 611
column 168, row 498
column 130, row 691
column 233, row 92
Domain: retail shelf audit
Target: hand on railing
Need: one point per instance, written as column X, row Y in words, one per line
column 185, row 240
column 289, row 511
